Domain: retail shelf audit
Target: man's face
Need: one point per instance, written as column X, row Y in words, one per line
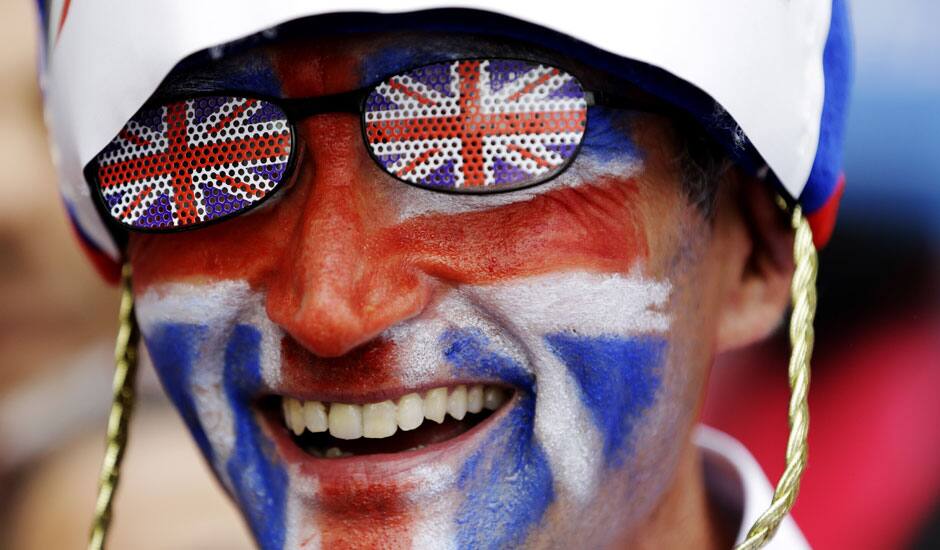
column 582, row 302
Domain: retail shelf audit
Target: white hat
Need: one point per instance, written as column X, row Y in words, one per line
column 780, row 70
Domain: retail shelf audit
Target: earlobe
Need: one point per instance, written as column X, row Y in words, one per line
column 757, row 264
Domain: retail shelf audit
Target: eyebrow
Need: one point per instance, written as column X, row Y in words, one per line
column 395, row 58
column 249, row 71
column 191, row 85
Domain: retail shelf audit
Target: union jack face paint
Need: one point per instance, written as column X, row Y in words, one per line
column 356, row 289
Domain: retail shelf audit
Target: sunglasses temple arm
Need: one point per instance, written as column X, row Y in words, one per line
column 346, row 102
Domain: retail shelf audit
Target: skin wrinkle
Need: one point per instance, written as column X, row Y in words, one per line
column 430, row 241
column 336, row 267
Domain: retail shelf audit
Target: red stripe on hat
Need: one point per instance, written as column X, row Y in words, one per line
column 65, row 12
column 823, row 220
column 108, row 269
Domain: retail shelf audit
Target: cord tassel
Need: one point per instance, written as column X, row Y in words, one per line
column 122, row 404
column 803, row 296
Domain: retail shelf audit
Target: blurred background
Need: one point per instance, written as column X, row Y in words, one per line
column 874, row 473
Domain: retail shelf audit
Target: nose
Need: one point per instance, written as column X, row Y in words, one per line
column 341, row 280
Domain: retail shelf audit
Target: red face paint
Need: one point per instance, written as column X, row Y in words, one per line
column 363, row 514
column 368, row 369
column 337, row 265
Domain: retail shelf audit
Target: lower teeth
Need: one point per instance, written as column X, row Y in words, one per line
column 332, row 452
column 336, row 452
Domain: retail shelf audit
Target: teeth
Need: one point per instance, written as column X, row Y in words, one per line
column 285, row 408
column 379, row 420
column 410, row 411
column 345, row 421
column 435, row 404
column 475, row 399
column 296, row 422
column 315, row 416
column 493, row 397
column 457, row 402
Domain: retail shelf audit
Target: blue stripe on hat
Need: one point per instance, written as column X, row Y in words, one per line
column 837, row 69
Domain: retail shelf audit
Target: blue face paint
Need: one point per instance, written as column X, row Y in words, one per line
column 254, row 73
column 173, row 350
column 608, row 135
column 258, row 481
column 235, row 71
column 619, row 379
column 386, row 62
column 507, row 493
column 468, row 351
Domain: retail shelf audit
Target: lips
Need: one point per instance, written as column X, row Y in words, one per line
column 409, row 422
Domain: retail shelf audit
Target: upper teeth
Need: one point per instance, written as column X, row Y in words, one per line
column 383, row 419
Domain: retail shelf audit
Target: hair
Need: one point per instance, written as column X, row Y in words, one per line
column 702, row 165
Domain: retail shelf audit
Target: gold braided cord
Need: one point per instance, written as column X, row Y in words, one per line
column 803, row 296
column 125, row 372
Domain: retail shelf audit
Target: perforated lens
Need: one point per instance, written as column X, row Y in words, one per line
column 186, row 163
column 476, row 125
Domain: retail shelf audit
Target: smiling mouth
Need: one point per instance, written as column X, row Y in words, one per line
column 411, row 422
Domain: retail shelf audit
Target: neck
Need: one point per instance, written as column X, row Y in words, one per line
column 683, row 518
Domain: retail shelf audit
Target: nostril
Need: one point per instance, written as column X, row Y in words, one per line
column 319, row 312
column 330, row 315
column 331, row 336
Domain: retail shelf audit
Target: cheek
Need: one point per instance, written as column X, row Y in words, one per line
column 589, row 228
column 695, row 307
column 212, row 352
column 244, row 248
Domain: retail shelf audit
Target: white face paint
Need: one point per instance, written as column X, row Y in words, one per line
column 582, row 450
column 513, row 318
column 413, row 201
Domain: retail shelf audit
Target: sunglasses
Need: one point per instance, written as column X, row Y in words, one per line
column 465, row 126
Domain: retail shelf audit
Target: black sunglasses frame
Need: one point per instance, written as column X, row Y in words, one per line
column 629, row 96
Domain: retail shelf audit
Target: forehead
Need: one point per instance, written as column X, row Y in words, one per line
column 324, row 63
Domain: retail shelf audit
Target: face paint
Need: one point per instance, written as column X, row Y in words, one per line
column 362, row 288
column 558, row 436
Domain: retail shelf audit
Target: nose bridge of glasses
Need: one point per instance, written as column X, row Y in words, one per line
column 300, row 108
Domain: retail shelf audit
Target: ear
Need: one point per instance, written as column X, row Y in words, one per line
column 754, row 243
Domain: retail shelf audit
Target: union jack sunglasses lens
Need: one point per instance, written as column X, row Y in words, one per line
column 476, row 126
column 186, row 163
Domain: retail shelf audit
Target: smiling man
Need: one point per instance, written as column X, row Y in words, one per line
column 439, row 279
